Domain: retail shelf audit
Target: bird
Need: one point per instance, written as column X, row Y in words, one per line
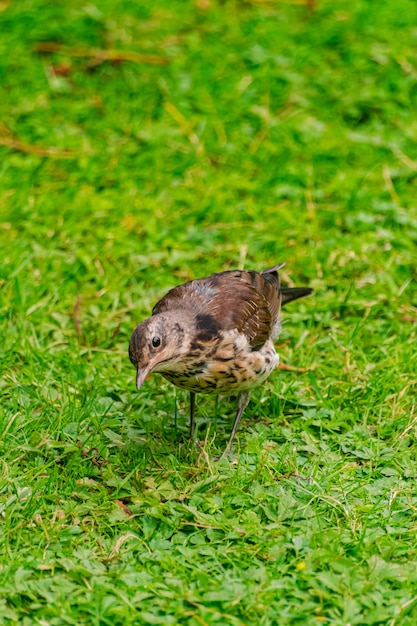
column 215, row 335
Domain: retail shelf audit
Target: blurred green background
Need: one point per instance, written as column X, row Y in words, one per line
column 143, row 144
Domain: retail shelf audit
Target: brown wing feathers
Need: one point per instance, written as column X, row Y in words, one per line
column 246, row 300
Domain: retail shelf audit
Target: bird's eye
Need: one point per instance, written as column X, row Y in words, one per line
column 156, row 342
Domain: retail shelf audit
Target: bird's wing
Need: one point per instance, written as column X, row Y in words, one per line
column 244, row 300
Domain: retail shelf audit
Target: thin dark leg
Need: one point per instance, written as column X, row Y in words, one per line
column 192, row 407
column 234, row 429
column 243, row 403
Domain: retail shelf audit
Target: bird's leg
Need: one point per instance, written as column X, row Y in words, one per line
column 243, row 400
column 192, row 408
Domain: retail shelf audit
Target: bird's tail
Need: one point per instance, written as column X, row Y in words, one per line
column 293, row 293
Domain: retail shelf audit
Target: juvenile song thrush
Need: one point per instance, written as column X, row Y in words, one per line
column 215, row 335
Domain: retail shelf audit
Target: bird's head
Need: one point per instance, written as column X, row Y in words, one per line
column 157, row 344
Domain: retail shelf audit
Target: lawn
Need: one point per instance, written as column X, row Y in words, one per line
column 143, row 144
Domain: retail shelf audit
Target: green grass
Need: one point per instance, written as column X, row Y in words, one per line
column 274, row 133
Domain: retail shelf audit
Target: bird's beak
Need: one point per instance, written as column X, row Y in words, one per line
column 141, row 376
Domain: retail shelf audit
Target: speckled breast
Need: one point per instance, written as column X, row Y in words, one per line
column 230, row 367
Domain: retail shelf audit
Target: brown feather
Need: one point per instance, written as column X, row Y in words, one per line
column 246, row 300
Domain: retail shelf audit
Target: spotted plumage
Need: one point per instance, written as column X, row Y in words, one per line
column 215, row 334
